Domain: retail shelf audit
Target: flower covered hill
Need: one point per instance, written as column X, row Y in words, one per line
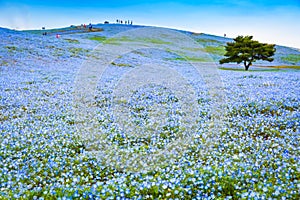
column 49, row 150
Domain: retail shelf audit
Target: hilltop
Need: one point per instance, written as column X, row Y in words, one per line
column 74, row 41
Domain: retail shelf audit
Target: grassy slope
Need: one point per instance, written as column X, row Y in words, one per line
column 210, row 44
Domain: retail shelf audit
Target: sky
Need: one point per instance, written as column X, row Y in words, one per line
column 270, row 21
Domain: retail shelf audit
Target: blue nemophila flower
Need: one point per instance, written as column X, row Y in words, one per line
column 255, row 155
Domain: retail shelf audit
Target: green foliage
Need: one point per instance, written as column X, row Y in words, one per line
column 218, row 50
column 205, row 41
column 11, row 48
column 211, row 46
column 74, row 41
column 3, row 63
column 121, row 64
column 246, row 50
column 192, row 59
column 291, row 58
column 153, row 41
column 118, row 40
column 76, row 52
column 98, row 38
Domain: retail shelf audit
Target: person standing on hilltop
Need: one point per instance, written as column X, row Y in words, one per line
column 90, row 27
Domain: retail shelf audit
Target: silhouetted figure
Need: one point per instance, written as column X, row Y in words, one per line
column 90, row 27
column 131, row 22
column 224, row 34
column 121, row 22
column 44, row 32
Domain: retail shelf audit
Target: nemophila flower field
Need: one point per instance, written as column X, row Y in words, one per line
column 49, row 151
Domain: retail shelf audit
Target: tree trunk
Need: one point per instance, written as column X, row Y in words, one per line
column 247, row 65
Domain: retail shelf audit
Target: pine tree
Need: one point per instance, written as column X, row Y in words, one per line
column 246, row 50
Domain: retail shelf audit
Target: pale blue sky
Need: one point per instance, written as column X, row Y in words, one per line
column 268, row 21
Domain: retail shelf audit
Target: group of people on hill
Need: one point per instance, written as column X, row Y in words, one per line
column 90, row 26
column 83, row 26
column 119, row 21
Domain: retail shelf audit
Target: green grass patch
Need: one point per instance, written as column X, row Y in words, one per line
column 11, row 48
column 121, row 64
column 4, row 63
column 217, row 50
column 67, row 30
column 139, row 53
column 292, row 58
column 205, row 41
column 117, row 41
column 75, row 52
column 250, row 70
column 285, row 67
column 74, row 41
column 98, row 38
column 153, row 41
column 58, row 52
column 128, row 39
column 51, row 31
column 192, row 49
column 192, row 59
